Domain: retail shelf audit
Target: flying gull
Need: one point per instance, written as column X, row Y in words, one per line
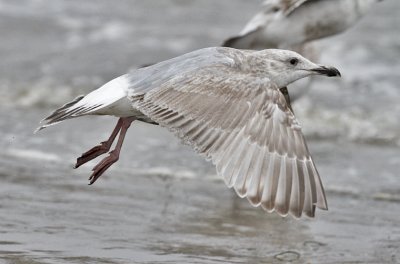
column 227, row 105
column 287, row 23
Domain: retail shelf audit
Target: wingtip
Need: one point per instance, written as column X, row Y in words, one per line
column 230, row 42
column 38, row 129
column 322, row 205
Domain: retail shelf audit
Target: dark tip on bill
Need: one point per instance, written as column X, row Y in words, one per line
column 330, row 72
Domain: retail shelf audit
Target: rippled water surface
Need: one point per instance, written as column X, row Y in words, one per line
column 161, row 203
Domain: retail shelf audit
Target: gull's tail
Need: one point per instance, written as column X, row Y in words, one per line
column 96, row 102
column 64, row 112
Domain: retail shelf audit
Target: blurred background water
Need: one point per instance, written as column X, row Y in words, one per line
column 161, row 203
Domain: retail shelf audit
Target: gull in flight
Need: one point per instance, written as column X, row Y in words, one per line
column 228, row 106
column 288, row 23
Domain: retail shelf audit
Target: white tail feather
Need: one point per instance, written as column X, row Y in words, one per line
column 93, row 103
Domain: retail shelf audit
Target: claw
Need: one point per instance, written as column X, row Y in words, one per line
column 103, row 165
column 93, row 153
column 95, row 175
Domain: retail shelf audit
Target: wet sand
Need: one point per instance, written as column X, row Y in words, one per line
column 161, row 203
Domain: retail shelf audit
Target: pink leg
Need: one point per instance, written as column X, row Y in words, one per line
column 103, row 165
column 98, row 150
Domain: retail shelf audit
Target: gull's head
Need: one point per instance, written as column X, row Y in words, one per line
column 284, row 66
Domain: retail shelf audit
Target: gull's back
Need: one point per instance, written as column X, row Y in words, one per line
column 148, row 78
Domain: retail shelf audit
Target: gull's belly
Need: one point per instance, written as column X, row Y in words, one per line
column 124, row 108
column 120, row 108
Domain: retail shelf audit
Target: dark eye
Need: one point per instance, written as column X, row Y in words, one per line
column 275, row 9
column 294, row 61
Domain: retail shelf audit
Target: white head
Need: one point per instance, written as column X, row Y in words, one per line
column 284, row 66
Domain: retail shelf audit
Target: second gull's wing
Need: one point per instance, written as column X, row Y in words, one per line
column 247, row 38
column 289, row 6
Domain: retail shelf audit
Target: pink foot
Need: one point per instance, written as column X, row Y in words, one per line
column 103, row 165
column 93, row 153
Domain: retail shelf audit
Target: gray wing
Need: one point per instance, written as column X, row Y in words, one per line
column 290, row 5
column 244, row 126
column 243, row 41
column 247, row 37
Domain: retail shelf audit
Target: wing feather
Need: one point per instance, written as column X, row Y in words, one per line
column 283, row 192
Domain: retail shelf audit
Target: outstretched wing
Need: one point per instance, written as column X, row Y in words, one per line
column 244, row 126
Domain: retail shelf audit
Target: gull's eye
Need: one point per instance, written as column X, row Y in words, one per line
column 275, row 9
column 294, row 61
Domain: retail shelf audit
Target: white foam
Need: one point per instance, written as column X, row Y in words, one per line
column 352, row 124
column 110, row 31
column 33, row 154
column 162, row 171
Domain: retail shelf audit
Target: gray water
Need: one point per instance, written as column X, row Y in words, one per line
column 161, row 203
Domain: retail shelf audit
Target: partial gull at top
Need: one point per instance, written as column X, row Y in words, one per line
column 228, row 106
column 292, row 24
column 283, row 23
